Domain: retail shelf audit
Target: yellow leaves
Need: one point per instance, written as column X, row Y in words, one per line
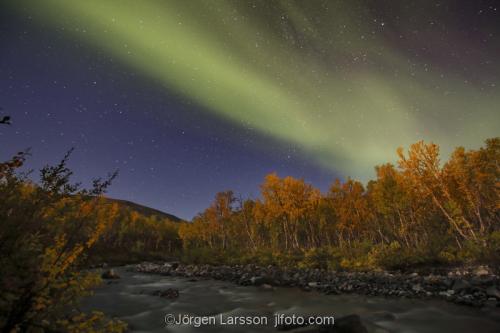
column 288, row 196
column 422, row 160
column 134, row 216
column 45, row 230
column 95, row 322
column 50, row 240
column 350, row 205
column 86, row 208
column 26, row 190
column 134, row 233
column 464, row 190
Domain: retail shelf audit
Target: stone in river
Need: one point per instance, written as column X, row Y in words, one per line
column 110, row 274
column 493, row 292
column 169, row 293
column 267, row 287
column 256, row 280
column 460, row 285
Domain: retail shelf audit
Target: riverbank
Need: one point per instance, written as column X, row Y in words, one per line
column 474, row 286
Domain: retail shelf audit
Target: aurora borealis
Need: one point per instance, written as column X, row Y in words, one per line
column 342, row 82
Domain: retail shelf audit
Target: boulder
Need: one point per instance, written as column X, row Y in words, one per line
column 110, row 274
column 417, row 287
column 348, row 324
column 460, row 285
column 267, row 287
column 174, row 265
column 447, row 293
column 260, row 280
column 481, row 271
column 257, row 280
column 493, row 292
column 491, row 303
column 169, row 293
column 448, row 283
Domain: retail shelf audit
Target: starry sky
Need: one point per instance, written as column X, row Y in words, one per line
column 188, row 98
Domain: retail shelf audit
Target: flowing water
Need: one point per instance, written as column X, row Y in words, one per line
column 130, row 299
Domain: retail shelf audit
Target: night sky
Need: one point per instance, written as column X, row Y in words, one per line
column 188, row 98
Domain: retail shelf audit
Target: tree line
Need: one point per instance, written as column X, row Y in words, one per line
column 416, row 212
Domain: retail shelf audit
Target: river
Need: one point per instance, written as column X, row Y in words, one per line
column 130, row 299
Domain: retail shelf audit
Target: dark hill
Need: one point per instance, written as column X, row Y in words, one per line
column 144, row 210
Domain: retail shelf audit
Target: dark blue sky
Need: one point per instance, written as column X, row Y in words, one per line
column 171, row 154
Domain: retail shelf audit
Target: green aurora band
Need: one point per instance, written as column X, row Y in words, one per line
column 327, row 81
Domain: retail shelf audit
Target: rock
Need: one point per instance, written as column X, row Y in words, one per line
column 467, row 299
column 267, row 287
column 432, row 279
column 285, row 277
column 460, row 285
column 169, row 293
column 448, row 283
column 481, row 271
column 491, row 303
column 110, row 274
column 173, row 265
column 257, row 280
column 348, row 324
column 447, row 293
column 466, row 286
column 332, row 291
column 482, row 280
column 416, row 287
column 493, row 292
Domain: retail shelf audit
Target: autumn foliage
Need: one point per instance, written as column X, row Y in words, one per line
column 45, row 232
column 136, row 237
column 421, row 211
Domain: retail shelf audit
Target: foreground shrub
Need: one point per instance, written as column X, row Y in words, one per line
column 45, row 232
